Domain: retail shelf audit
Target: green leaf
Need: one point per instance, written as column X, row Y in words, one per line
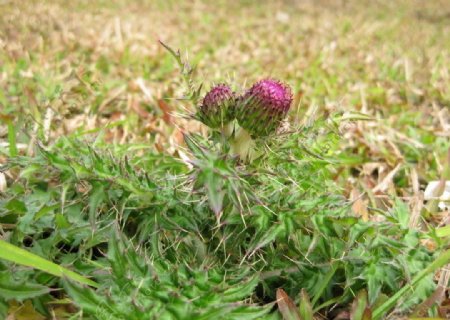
column 359, row 306
column 96, row 198
column 241, row 291
column 324, row 283
column 443, row 232
column 213, row 184
column 249, row 312
column 374, row 275
column 117, row 256
column 61, row 221
column 90, row 302
column 13, row 152
column 19, row 291
column 401, row 213
column 269, row 236
column 20, row 256
column 306, row 311
column 4, row 306
column 16, row 206
column 442, row 260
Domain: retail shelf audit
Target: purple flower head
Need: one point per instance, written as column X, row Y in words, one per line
column 272, row 93
column 217, row 106
column 264, row 106
column 216, row 95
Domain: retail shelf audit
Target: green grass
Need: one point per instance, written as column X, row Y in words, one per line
column 95, row 133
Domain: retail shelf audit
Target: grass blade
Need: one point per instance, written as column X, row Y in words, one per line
column 306, row 311
column 323, row 284
column 12, row 140
column 20, row 256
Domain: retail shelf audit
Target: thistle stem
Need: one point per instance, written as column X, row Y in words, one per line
column 243, row 145
column 228, row 129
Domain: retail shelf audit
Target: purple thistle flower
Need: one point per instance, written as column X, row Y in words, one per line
column 217, row 108
column 264, row 106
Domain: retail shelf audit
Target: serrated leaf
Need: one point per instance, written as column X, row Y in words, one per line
column 239, row 292
column 90, row 302
column 268, row 236
column 96, row 198
column 214, row 192
column 249, row 312
column 19, row 291
column 117, row 256
column 401, row 213
column 322, row 285
column 215, row 313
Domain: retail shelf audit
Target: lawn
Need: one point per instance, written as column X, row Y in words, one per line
column 117, row 201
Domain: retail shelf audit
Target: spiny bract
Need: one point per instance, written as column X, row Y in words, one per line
column 263, row 107
column 217, row 108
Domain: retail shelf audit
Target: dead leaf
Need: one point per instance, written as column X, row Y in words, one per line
column 166, row 109
column 384, row 184
column 287, row 307
column 134, row 105
column 359, row 205
column 2, row 182
column 23, row 311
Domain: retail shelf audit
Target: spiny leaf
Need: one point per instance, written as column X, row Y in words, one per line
column 91, row 303
column 242, row 291
column 19, row 291
column 324, row 283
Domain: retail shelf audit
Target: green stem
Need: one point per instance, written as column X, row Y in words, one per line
column 12, row 140
column 228, row 129
column 243, row 145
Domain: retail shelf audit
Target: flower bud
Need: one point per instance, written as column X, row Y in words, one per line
column 217, row 108
column 262, row 108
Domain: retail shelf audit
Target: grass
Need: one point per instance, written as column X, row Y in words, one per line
column 106, row 176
